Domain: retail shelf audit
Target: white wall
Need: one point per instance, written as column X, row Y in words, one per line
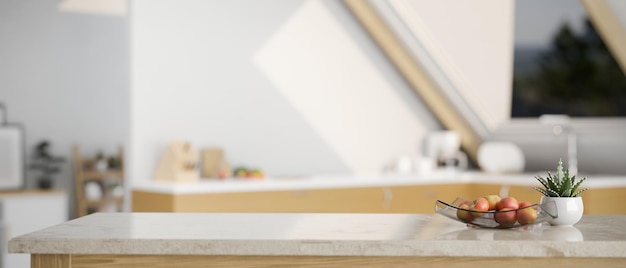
column 292, row 87
column 64, row 77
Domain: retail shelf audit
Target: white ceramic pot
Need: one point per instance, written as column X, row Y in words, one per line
column 569, row 209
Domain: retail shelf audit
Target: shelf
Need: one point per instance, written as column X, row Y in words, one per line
column 85, row 175
column 102, row 175
column 105, row 201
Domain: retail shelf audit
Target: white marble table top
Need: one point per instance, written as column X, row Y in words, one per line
column 316, row 234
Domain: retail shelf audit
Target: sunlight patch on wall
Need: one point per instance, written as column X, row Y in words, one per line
column 315, row 63
column 473, row 44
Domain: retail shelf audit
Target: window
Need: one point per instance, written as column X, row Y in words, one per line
column 562, row 65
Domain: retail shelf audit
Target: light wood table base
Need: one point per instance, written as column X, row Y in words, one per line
column 193, row 261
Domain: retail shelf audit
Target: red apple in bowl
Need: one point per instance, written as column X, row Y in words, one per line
column 527, row 215
column 463, row 212
column 493, row 200
column 508, row 202
column 524, row 204
column 480, row 205
column 506, row 217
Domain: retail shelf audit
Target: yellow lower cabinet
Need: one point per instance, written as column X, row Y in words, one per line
column 422, row 198
column 399, row 199
column 346, row 200
column 394, row 199
column 605, row 201
column 356, row 200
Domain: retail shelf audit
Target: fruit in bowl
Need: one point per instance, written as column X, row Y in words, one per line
column 506, row 217
column 526, row 214
column 464, row 212
column 480, row 206
column 508, row 202
column 492, row 211
column 493, row 200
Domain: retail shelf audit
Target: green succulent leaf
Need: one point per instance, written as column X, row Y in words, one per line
column 559, row 172
column 543, row 181
column 578, row 183
column 553, row 193
column 542, row 191
column 553, row 184
column 566, row 187
column 579, row 192
column 560, row 184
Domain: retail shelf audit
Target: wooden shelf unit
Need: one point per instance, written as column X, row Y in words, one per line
column 85, row 173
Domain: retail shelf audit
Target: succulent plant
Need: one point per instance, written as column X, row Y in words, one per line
column 561, row 184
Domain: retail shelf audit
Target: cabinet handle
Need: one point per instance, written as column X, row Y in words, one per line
column 387, row 197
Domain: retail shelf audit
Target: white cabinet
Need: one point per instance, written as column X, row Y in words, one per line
column 28, row 211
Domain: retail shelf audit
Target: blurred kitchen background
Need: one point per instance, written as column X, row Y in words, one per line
column 302, row 87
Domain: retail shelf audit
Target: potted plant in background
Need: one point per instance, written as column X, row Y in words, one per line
column 101, row 162
column 48, row 164
column 562, row 191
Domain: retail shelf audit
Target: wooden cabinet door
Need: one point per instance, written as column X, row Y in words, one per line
column 422, row 198
column 348, row 200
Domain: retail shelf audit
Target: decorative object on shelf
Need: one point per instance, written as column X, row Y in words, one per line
column 248, row 173
column 214, row 164
column 113, row 162
column 93, row 190
column 98, row 189
column 403, row 164
column 562, row 191
column 445, row 148
column 101, row 163
column 179, row 163
column 47, row 163
column 500, row 157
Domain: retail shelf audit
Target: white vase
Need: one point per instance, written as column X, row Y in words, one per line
column 102, row 165
column 569, row 210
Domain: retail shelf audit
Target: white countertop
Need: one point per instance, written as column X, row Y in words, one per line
column 358, row 180
column 318, row 235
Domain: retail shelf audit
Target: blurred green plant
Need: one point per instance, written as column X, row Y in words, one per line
column 46, row 163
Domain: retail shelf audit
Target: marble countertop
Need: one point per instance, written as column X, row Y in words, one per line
column 318, row 234
column 358, row 180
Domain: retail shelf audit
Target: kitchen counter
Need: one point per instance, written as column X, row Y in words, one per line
column 358, row 193
column 358, row 180
column 306, row 239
